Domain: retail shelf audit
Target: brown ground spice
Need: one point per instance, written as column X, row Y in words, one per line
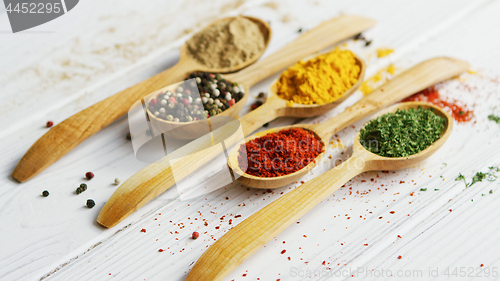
column 227, row 44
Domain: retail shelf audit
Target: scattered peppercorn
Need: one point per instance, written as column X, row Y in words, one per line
column 81, row 188
column 129, row 136
column 45, row 193
column 50, row 124
column 368, row 43
column 89, row 175
column 90, row 203
column 358, row 36
column 203, row 95
column 117, row 181
column 195, row 235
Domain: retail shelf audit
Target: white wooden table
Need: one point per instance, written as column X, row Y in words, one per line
column 101, row 47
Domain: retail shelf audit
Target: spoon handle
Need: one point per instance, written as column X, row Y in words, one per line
column 247, row 237
column 65, row 136
column 326, row 34
column 413, row 80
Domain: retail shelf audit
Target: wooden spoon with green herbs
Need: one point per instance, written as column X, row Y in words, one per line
column 417, row 78
column 246, row 238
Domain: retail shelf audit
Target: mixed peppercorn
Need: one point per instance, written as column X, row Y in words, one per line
column 185, row 104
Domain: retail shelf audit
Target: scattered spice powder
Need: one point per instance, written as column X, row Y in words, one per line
column 431, row 95
column 280, row 153
column 384, row 52
column 320, row 80
column 383, row 74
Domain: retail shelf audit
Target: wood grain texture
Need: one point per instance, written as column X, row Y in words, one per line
column 156, row 178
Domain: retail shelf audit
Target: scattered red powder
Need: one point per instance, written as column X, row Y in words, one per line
column 282, row 252
column 161, row 250
column 400, row 257
column 143, row 230
column 431, row 95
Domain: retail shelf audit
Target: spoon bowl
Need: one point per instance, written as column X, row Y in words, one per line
column 378, row 162
column 198, row 128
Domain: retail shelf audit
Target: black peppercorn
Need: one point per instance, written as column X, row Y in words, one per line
column 45, row 193
column 368, row 43
column 90, row 203
column 81, row 188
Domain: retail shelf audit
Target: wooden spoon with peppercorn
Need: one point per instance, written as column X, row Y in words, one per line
column 65, row 136
column 413, row 80
column 229, row 251
column 159, row 176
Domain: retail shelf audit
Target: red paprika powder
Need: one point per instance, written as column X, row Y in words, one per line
column 280, row 153
column 431, row 95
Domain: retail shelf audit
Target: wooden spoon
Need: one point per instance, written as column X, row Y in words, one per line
column 411, row 81
column 246, row 238
column 65, row 136
column 158, row 177
column 274, row 107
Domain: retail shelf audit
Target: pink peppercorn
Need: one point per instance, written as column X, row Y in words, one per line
column 89, row 175
column 185, row 101
column 195, row 235
column 172, row 100
column 231, row 102
column 153, row 102
column 49, row 124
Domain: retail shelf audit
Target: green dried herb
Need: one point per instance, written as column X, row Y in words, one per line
column 403, row 133
column 480, row 176
column 423, row 189
column 494, row 118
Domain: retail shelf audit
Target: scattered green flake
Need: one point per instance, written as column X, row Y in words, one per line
column 441, row 176
column 402, row 133
column 436, row 189
column 494, row 118
column 491, row 191
column 482, row 194
column 423, row 189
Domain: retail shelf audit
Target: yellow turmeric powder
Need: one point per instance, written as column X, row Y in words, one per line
column 320, row 80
